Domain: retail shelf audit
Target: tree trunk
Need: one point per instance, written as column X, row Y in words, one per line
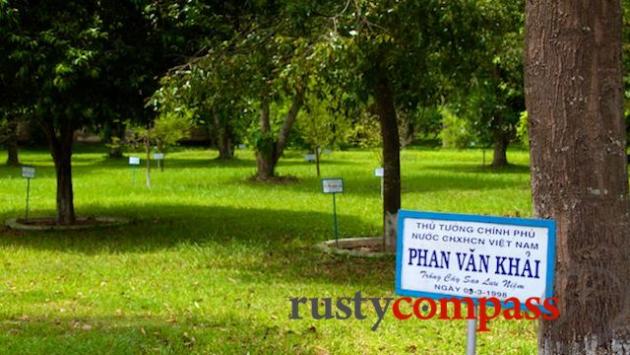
column 269, row 150
column 61, row 149
column 115, row 136
column 573, row 83
column 499, row 159
column 265, row 167
column 223, row 138
column 317, row 157
column 147, row 148
column 12, row 144
column 386, row 111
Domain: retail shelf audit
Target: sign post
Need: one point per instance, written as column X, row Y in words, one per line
column 380, row 172
column 455, row 256
column 333, row 186
column 28, row 172
column 134, row 162
column 471, row 339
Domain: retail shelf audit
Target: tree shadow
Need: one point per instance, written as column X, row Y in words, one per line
column 425, row 181
column 479, row 169
column 112, row 334
column 283, row 240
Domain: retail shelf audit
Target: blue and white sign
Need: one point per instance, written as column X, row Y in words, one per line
column 332, row 185
column 134, row 161
column 444, row 255
column 28, row 172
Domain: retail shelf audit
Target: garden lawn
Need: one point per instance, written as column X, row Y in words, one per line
column 211, row 259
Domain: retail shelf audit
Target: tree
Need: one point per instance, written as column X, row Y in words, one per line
column 401, row 55
column 8, row 137
column 320, row 128
column 574, row 96
column 11, row 104
column 495, row 99
column 74, row 67
column 166, row 130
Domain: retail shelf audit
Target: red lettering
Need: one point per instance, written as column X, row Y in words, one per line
column 551, row 305
column 513, row 313
column 484, row 317
column 396, row 308
column 432, row 311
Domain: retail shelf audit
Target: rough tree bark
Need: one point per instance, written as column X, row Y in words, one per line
column 12, row 144
column 60, row 141
column 386, row 111
column 269, row 151
column 573, row 82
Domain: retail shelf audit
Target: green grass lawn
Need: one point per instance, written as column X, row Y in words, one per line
column 211, row 259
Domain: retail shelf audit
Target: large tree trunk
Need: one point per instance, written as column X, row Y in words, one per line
column 269, row 150
column 61, row 149
column 499, row 158
column 579, row 177
column 12, row 144
column 386, row 111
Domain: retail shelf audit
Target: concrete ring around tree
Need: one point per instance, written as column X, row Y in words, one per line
column 356, row 247
column 47, row 223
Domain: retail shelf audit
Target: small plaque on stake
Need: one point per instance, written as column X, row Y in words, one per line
column 158, row 156
column 332, row 185
column 134, row 161
column 28, row 172
column 379, row 172
column 309, row 157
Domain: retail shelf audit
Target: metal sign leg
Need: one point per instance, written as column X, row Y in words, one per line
column 471, row 340
column 28, row 195
column 335, row 220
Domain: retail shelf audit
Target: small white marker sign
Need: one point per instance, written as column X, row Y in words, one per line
column 309, row 157
column 158, row 156
column 379, row 172
column 134, row 161
column 28, row 172
column 332, row 186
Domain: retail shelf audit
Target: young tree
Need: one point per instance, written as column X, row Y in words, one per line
column 166, row 130
column 320, row 128
column 573, row 86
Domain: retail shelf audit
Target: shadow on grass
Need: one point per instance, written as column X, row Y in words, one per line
column 282, row 241
column 140, row 335
column 422, row 182
column 479, row 169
